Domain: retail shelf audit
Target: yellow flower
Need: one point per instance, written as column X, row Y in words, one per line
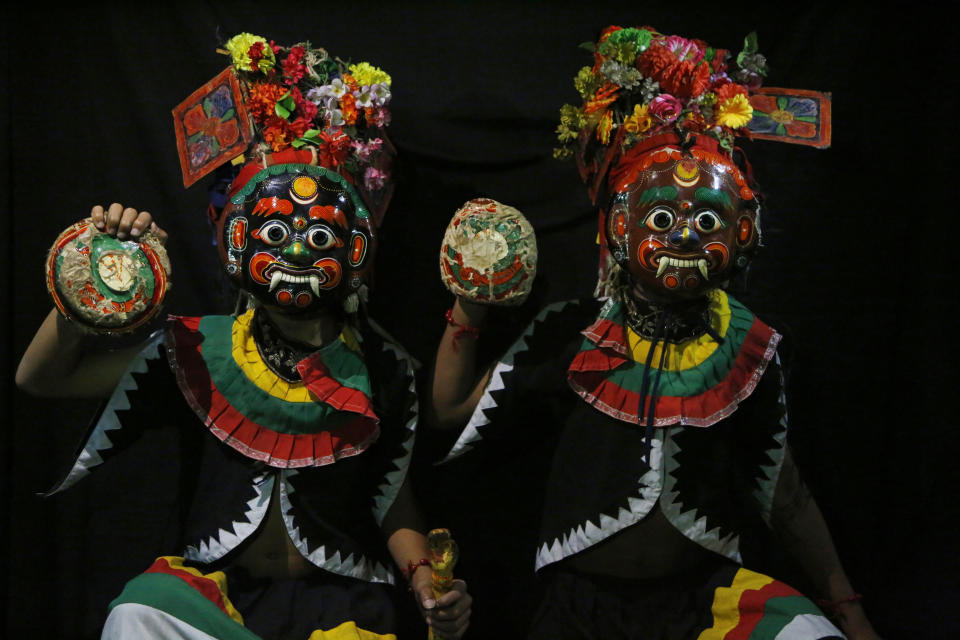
column 239, row 47
column 572, row 116
column 366, row 74
column 734, row 112
column 587, row 82
column 565, row 134
column 639, row 121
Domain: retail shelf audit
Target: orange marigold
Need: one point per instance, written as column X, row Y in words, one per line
column 350, row 81
column 280, row 133
column 348, row 107
column 263, row 99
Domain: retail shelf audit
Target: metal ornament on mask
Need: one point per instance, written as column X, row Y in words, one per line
column 298, row 238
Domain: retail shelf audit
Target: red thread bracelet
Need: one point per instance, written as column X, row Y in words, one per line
column 832, row 607
column 412, row 566
column 461, row 328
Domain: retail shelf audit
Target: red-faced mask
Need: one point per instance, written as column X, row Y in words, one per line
column 680, row 222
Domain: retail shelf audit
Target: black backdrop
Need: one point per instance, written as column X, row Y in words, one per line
column 856, row 270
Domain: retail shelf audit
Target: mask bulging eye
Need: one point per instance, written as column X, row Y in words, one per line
column 274, row 233
column 660, row 219
column 321, row 238
column 707, row 221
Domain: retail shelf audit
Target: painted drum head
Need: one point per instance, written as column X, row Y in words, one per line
column 489, row 253
column 107, row 285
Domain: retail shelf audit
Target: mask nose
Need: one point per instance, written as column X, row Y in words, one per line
column 683, row 237
column 297, row 253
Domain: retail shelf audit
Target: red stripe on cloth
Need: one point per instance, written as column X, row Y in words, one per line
column 752, row 605
column 316, row 376
column 588, row 375
column 256, row 441
column 205, row 586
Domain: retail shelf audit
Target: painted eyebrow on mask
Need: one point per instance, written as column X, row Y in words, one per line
column 329, row 213
column 719, row 199
column 267, row 206
column 658, row 193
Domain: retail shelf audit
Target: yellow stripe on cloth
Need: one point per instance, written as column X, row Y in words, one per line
column 247, row 357
column 691, row 353
column 349, row 631
column 726, row 600
column 217, row 577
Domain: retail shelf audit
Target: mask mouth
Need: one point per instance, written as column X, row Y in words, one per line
column 311, row 275
column 655, row 257
column 700, row 261
column 323, row 274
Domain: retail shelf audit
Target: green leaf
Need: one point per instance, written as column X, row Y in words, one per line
column 285, row 106
column 229, row 115
column 749, row 47
column 310, row 136
column 589, row 46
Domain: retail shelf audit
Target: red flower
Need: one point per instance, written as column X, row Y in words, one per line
column 256, row 54
column 685, row 79
column 655, row 60
column 292, row 66
column 334, row 148
column 305, row 108
column 727, row 90
column 719, row 62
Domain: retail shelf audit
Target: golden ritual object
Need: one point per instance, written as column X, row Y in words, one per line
column 443, row 557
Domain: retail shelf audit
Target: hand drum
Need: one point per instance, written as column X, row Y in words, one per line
column 489, row 254
column 107, row 285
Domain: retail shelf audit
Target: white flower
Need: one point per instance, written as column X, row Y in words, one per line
column 334, row 118
column 364, row 97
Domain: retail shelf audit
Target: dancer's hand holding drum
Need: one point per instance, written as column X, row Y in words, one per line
column 109, row 273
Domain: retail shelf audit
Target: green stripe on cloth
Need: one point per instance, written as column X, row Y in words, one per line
column 706, row 375
column 778, row 612
column 254, row 403
column 172, row 595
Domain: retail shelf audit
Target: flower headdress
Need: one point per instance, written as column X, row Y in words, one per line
column 293, row 102
column 646, row 91
column 643, row 84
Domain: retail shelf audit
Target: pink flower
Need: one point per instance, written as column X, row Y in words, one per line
column 685, row 50
column 665, row 107
column 378, row 117
column 374, row 179
column 364, row 150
